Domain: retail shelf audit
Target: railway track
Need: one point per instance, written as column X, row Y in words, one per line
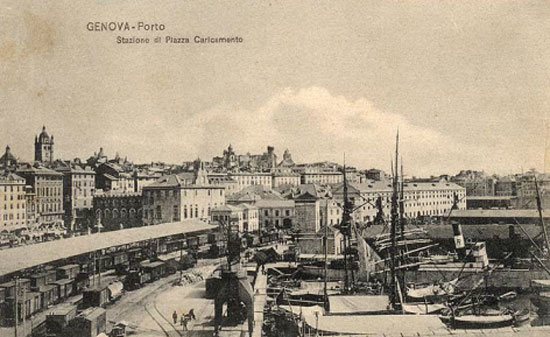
column 166, row 319
column 160, row 319
column 156, row 320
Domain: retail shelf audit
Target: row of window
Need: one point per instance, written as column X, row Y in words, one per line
column 7, row 217
column 277, row 212
column 115, row 214
column 19, row 197
column 49, row 191
column 12, row 189
column 16, row 206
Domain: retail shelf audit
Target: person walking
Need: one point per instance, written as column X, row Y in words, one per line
column 175, row 317
column 192, row 314
column 184, row 321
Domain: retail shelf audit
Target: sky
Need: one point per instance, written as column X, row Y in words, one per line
column 466, row 83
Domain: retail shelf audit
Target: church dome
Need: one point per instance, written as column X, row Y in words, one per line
column 44, row 135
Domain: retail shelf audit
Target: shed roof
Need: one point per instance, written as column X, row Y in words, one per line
column 14, row 259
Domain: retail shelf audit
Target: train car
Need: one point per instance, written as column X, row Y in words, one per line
column 193, row 242
column 104, row 263
column 156, row 269
column 64, row 288
column 28, row 305
column 203, row 239
column 81, row 282
column 174, row 245
column 89, row 323
column 136, row 279
column 115, row 290
column 96, row 296
column 213, row 238
column 120, row 258
column 41, row 279
column 9, row 287
column 58, row 319
column 172, row 265
column 69, row 271
column 33, row 303
column 121, row 262
column 49, row 295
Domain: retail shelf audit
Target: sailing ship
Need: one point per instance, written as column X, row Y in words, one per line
column 541, row 297
column 429, row 307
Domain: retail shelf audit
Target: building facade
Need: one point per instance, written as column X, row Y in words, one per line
column 78, row 190
column 275, row 213
column 320, row 176
column 117, row 210
column 222, row 179
column 307, row 213
column 13, row 215
column 181, row 196
column 112, row 177
column 421, row 199
column 48, row 187
column 229, row 214
column 245, row 179
column 476, row 183
column 285, row 177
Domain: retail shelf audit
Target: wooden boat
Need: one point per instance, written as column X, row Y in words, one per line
column 488, row 321
column 542, row 302
column 522, row 317
column 433, row 290
column 422, row 308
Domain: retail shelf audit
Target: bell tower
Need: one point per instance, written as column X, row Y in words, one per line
column 43, row 147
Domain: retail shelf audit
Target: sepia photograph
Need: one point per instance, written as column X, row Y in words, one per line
column 278, row 168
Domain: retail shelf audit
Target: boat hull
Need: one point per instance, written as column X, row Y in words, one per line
column 542, row 302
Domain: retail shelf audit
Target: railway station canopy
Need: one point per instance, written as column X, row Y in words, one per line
column 24, row 257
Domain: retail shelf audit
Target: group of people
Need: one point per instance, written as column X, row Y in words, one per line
column 184, row 319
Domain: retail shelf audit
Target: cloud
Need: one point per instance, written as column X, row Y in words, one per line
column 317, row 125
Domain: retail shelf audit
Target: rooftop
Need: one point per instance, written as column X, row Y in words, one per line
column 15, row 259
column 38, row 171
column 272, row 203
column 498, row 213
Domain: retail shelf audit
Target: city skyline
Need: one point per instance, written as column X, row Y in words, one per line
column 463, row 84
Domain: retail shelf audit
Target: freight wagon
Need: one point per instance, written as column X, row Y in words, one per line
column 81, row 281
column 156, row 269
column 64, row 288
column 97, row 296
column 58, row 319
column 69, row 271
column 10, row 286
column 41, row 279
column 136, row 279
column 27, row 305
column 49, row 295
column 120, row 258
column 89, row 323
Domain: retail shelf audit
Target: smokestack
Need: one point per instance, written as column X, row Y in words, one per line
column 459, row 240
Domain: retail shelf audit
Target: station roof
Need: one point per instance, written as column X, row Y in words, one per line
column 490, row 197
column 15, row 259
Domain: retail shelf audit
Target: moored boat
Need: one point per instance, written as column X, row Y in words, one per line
column 541, row 300
column 488, row 321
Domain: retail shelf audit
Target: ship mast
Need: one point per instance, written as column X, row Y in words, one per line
column 539, row 208
column 394, row 219
column 345, row 228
